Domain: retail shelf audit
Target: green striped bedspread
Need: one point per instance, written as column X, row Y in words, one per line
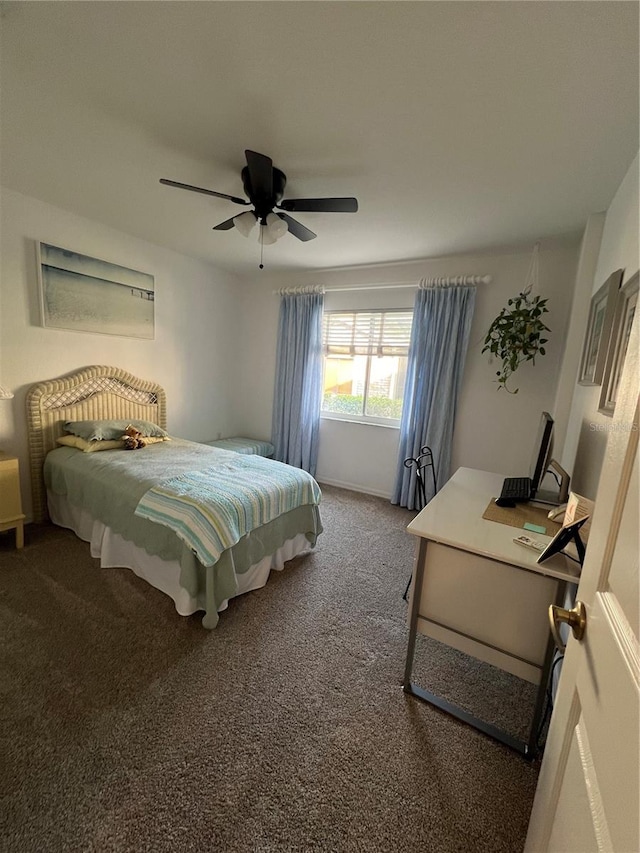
column 212, row 509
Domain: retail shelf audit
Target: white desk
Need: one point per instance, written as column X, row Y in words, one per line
column 478, row 591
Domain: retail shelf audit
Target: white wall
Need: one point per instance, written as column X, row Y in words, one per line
column 195, row 325
column 585, row 273
column 587, row 428
column 495, row 431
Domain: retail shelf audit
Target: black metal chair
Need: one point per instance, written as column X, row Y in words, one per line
column 421, row 462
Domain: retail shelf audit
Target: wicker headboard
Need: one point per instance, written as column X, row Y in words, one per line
column 89, row 394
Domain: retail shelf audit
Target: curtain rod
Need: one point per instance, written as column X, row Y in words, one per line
column 446, row 281
column 453, row 280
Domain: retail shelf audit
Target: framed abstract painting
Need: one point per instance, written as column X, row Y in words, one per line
column 596, row 344
column 625, row 311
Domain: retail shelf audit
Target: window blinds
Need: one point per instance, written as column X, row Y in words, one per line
column 367, row 332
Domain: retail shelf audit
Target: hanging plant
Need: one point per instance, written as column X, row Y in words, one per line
column 516, row 335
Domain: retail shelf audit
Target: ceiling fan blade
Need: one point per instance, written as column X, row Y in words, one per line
column 297, row 229
column 226, row 225
column 180, row 186
column 260, row 173
column 320, row 205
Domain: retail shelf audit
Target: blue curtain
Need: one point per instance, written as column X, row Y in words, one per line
column 439, row 339
column 298, row 388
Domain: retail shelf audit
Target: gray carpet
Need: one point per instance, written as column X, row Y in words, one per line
column 126, row 727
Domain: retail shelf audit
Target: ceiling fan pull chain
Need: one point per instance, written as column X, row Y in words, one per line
column 261, row 265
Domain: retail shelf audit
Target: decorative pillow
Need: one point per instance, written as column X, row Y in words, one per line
column 90, row 446
column 111, row 430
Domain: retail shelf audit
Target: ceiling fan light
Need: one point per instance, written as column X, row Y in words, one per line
column 244, row 222
column 277, row 227
column 265, row 236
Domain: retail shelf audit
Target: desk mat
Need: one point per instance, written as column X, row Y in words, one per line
column 519, row 514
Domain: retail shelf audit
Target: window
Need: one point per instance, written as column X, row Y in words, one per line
column 365, row 364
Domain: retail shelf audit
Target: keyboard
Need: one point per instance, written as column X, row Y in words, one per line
column 516, row 489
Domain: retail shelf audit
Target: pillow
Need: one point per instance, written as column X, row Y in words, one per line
column 111, row 430
column 101, row 444
column 89, row 446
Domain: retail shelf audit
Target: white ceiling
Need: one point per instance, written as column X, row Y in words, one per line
column 459, row 126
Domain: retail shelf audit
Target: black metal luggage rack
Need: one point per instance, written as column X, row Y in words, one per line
column 422, row 461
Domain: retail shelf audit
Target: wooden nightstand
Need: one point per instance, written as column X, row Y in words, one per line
column 10, row 503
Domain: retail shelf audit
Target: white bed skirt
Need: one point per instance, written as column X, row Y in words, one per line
column 115, row 552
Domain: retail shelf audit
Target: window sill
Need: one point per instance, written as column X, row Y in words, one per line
column 363, row 422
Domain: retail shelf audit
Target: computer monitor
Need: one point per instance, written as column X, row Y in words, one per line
column 542, row 462
column 541, row 451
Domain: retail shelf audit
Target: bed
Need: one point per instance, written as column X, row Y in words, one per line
column 199, row 523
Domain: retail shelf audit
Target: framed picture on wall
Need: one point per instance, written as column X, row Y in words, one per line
column 596, row 343
column 623, row 320
column 84, row 294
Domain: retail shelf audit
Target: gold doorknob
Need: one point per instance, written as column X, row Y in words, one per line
column 576, row 619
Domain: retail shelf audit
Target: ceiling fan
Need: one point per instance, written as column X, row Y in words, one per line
column 264, row 185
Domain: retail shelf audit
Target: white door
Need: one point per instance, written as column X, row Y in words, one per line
column 588, row 791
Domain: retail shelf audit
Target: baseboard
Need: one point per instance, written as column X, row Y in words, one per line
column 352, row 487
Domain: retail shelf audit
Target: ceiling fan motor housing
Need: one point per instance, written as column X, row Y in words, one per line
column 264, row 203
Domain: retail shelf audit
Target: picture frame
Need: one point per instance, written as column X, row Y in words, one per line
column 625, row 311
column 80, row 293
column 567, row 533
column 599, row 326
